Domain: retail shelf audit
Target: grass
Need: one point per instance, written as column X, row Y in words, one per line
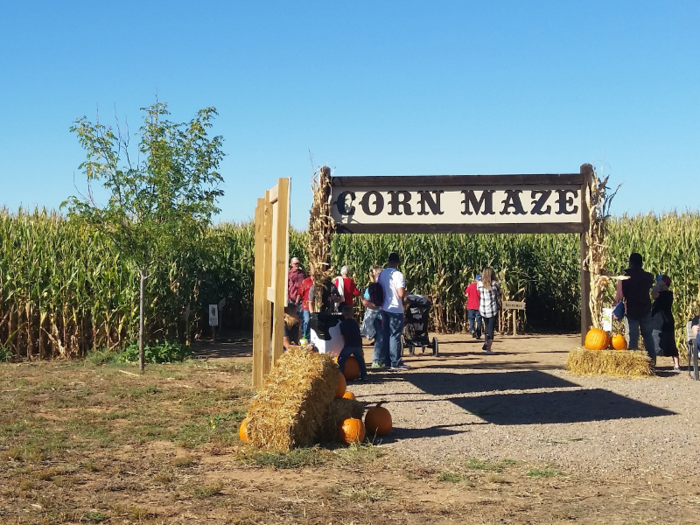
column 542, row 473
column 450, row 477
column 492, row 466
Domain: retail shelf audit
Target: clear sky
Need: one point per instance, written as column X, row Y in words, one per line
column 367, row 87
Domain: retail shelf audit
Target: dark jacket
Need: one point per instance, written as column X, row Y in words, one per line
column 635, row 290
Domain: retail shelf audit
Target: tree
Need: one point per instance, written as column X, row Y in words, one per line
column 158, row 203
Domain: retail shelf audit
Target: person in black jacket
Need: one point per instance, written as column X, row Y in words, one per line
column 635, row 293
column 663, row 327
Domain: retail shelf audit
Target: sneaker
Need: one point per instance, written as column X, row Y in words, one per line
column 400, row 368
column 377, row 365
column 489, row 352
column 365, row 378
column 676, row 368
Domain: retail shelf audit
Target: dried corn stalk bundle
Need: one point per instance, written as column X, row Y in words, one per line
column 618, row 363
column 321, row 228
column 340, row 410
column 598, row 202
column 290, row 408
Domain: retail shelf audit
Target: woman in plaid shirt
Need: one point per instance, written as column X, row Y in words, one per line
column 490, row 292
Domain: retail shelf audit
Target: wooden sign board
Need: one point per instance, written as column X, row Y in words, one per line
column 513, row 305
column 459, row 204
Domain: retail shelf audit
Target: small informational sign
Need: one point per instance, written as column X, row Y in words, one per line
column 213, row 315
column 513, row 305
column 607, row 319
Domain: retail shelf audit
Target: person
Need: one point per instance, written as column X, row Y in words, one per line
column 393, row 285
column 329, row 297
column 346, row 286
column 473, row 298
column 635, row 294
column 291, row 326
column 489, row 300
column 372, row 322
column 662, row 324
column 295, row 276
column 352, row 342
column 303, row 298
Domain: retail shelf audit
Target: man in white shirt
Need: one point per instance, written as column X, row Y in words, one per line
column 393, row 285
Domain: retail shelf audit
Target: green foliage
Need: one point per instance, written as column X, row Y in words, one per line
column 542, row 473
column 156, row 352
column 5, row 354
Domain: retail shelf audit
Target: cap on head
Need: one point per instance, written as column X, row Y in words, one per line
column 666, row 279
column 478, row 277
column 394, row 257
column 635, row 260
column 344, row 270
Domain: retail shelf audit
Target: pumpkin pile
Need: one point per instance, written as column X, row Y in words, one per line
column 597, row 339
column 595, row 358
column 304, row 400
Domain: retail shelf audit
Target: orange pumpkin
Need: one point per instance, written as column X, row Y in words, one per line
column 341, row 386
column 351, row 370
column 243, row 432
column 352, row 431
column 619, row 342
column 378, row 420
column 348, row 395
column 597, row 339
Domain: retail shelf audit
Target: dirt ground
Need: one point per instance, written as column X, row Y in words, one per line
column 486, row 439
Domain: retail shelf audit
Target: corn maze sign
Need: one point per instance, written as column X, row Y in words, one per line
column 459, row 204
column 468, row 204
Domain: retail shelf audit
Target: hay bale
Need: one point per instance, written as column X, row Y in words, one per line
column 340, row 410
column 290, row 408
column 618, row 363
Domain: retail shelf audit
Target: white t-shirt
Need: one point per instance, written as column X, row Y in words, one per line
column 391, row 280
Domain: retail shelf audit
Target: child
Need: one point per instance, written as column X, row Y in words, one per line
column 473, row 300
column 352, row 342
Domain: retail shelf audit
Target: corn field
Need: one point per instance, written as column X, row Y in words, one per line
column 65, row 291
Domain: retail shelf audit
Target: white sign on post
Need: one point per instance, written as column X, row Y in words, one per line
column 213, row 315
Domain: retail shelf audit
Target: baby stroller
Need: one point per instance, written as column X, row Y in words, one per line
column 415, row 330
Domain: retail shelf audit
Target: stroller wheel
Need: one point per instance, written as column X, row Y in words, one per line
column 422, row 349
column 411, row 350
column 435, row 347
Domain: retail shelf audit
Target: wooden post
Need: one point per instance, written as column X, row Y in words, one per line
column 259, row 298
column 587, row 172
column 281, row 232
column 515, row 322
column 267, row 276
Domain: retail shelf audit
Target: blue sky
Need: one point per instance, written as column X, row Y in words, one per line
column 369, row 88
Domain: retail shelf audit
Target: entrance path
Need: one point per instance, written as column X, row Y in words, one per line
column 521, row 404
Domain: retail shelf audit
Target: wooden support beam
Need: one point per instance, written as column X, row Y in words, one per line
column 280, row 262
column 258, row 297
column 586, row 322
column 267, row 275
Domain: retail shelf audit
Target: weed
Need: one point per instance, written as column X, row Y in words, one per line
column 496, row 478
column 358, row 453
column 5, row 355
column 208, row 491
column 95, row 516
column 450, row 477
column 159, row 352
column 493, row 466
column 298, row 457
column 163, row 477
column 185, row 461
column 370, row 494
column 542, row 473
column 50, row 473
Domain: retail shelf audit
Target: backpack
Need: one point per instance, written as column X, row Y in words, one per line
column 376, row 294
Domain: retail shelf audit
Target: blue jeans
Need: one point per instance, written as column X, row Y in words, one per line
column 346, row 352
column 305, row 330
column 377, row 356
column 474, row 322
column 643, row 325
column 392, row 326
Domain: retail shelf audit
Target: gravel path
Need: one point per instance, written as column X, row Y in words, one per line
column 522, row 404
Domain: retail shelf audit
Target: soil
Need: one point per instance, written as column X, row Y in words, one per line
column 505, row 438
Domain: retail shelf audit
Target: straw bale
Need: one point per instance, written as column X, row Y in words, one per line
column 618, row 363
column 289, row 410
column 340, row 410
